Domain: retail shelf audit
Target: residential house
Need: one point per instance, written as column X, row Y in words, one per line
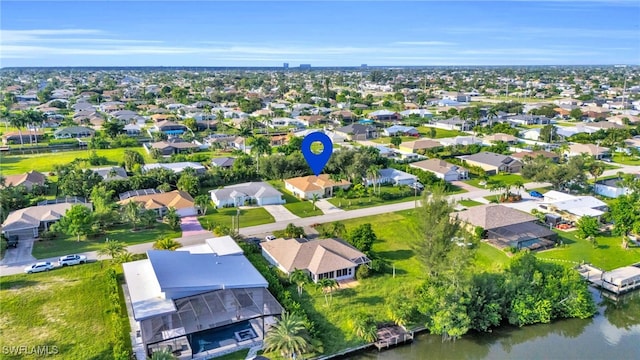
column 415, row 146
column 171, row 146
column 27, row 223
column 634, row 142
column 111, row 173
column 596, row 151
column 342, row 115
column 28, row 180
column 528, row 120
column 358, row 132
column 458, row 97
column 385, row 115
column 493, row 138
column 624, row 119
column 460, row 140
column 306, row 187
column 399, row 130
column 534, row 154
column 531, row 134
column 259, row 193
column 73, row 132
column 600, row 125
column 170, row 128
column 132, row 130
column 285, row 122
column 572, row 207
column 506, row 227
column 454, row 124
column 223, row 162
column 493, row 163
column 26, row 137
column 311, row 120
column 442, row 169
column 320, row 258
column 391, row 176
column 177, row 167
column 423, row 113
column 612, row 188
column 199, row 289
column 162, row 202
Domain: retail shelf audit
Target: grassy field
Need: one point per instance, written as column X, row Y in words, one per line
column 68, row 309
column 387, row 139
column 608, row 255
column 17, row 164
column 469, row 203
column 504, row 178
column 368, row 201
column 248, row 217
column 440, row 133
column 301, row 208
column 626, row 159
column 63, row 245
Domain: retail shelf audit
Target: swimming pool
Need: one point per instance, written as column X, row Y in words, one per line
column 218, row 337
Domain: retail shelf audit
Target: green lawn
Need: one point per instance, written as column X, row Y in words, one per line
column 626, row 159
column 298, row 207
column 440, row 133
column 17, row 164
column 469, row 203
column 369, row 201
column 248, row 217
column 63, row 245
column 504, row 178
column 387, row 139
column 541, row 190
column 609, row 254
column 68, row 309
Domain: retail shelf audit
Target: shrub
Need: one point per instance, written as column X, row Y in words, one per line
column 362, row 272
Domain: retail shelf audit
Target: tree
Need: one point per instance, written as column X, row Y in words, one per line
column 112, row 249
column 292, row 231
column 436, row 229
column 132, row 213
column 396, row 141
column 314, row 200
column 189, row 182
column 164, row 354
column 364, row 326
column 113, row 128
column 19, row 121
column 288, row 336
column 260, row 145
column 191, row 123
column 587, row 227
column 548, row 133
column 202, row 202
column 104, row 208
column 576, row 113
column 132, row 158
column 362, row 237
column 299, row 277
column 327, row 285
column 73, row 181
column 76, row 221
column 172, row 218
column 596, row 169
column 166, row 243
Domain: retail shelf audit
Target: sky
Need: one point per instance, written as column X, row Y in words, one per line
column 320, row 33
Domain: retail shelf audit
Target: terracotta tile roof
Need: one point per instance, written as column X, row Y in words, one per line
column 177, row 199
column 32, row 176
column 314, row 183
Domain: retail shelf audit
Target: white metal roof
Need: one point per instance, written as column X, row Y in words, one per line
column 144, row 291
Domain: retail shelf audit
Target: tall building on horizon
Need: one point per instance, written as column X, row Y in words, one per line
column 285, row 65
column 305, row 66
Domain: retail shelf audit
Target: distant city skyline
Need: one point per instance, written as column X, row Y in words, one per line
column 265, row 33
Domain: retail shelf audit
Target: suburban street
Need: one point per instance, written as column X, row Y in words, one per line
column 15, row 264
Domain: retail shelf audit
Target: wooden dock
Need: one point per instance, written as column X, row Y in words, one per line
column 392, row 336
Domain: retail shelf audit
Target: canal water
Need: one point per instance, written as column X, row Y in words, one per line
column 613, row 334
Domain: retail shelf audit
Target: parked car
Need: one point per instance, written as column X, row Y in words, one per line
column 38, row 267
column 536, row 194
column 417, row 186
column 12, row 241
column 72, row 260
column 269, row 237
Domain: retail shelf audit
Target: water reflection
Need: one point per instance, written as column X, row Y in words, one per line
column 614, row 333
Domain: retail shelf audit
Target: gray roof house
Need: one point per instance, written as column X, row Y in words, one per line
column 199, row 289
column 392, row 176
column 26, row 223
column 260, row 193
column 442, row 169
column 358, row 132
column 493, row 163
column 223, row 162
column 612, row 188
column 111, row 173
column 73, row 132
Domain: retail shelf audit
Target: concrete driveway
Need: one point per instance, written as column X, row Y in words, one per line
column 20, row 255
column 280, row 213
column 191, row 226
column 327, row 207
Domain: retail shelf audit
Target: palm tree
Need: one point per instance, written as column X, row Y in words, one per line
column 259, row 145
column 365, row 327
column 497, row 186
column 112, row 249
column 132, row 213
column 338, row 229
column 314, row 200
column 288, row 336
column 19, row 121
column 327, row 285
column 372, row 173
column 124, row 257
column 202, row 202
column 299, row 277
column 518, row 185
column 596, row 169
column 166, row 244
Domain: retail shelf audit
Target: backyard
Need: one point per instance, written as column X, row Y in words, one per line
column 64, row 244
column 69, row 310
column 45, row 162
column 440, row 133
column 368, row 201
column 248, row 217
column 509, row 179
column 626, row 159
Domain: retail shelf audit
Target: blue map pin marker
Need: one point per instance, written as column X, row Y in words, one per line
column 317, row 161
